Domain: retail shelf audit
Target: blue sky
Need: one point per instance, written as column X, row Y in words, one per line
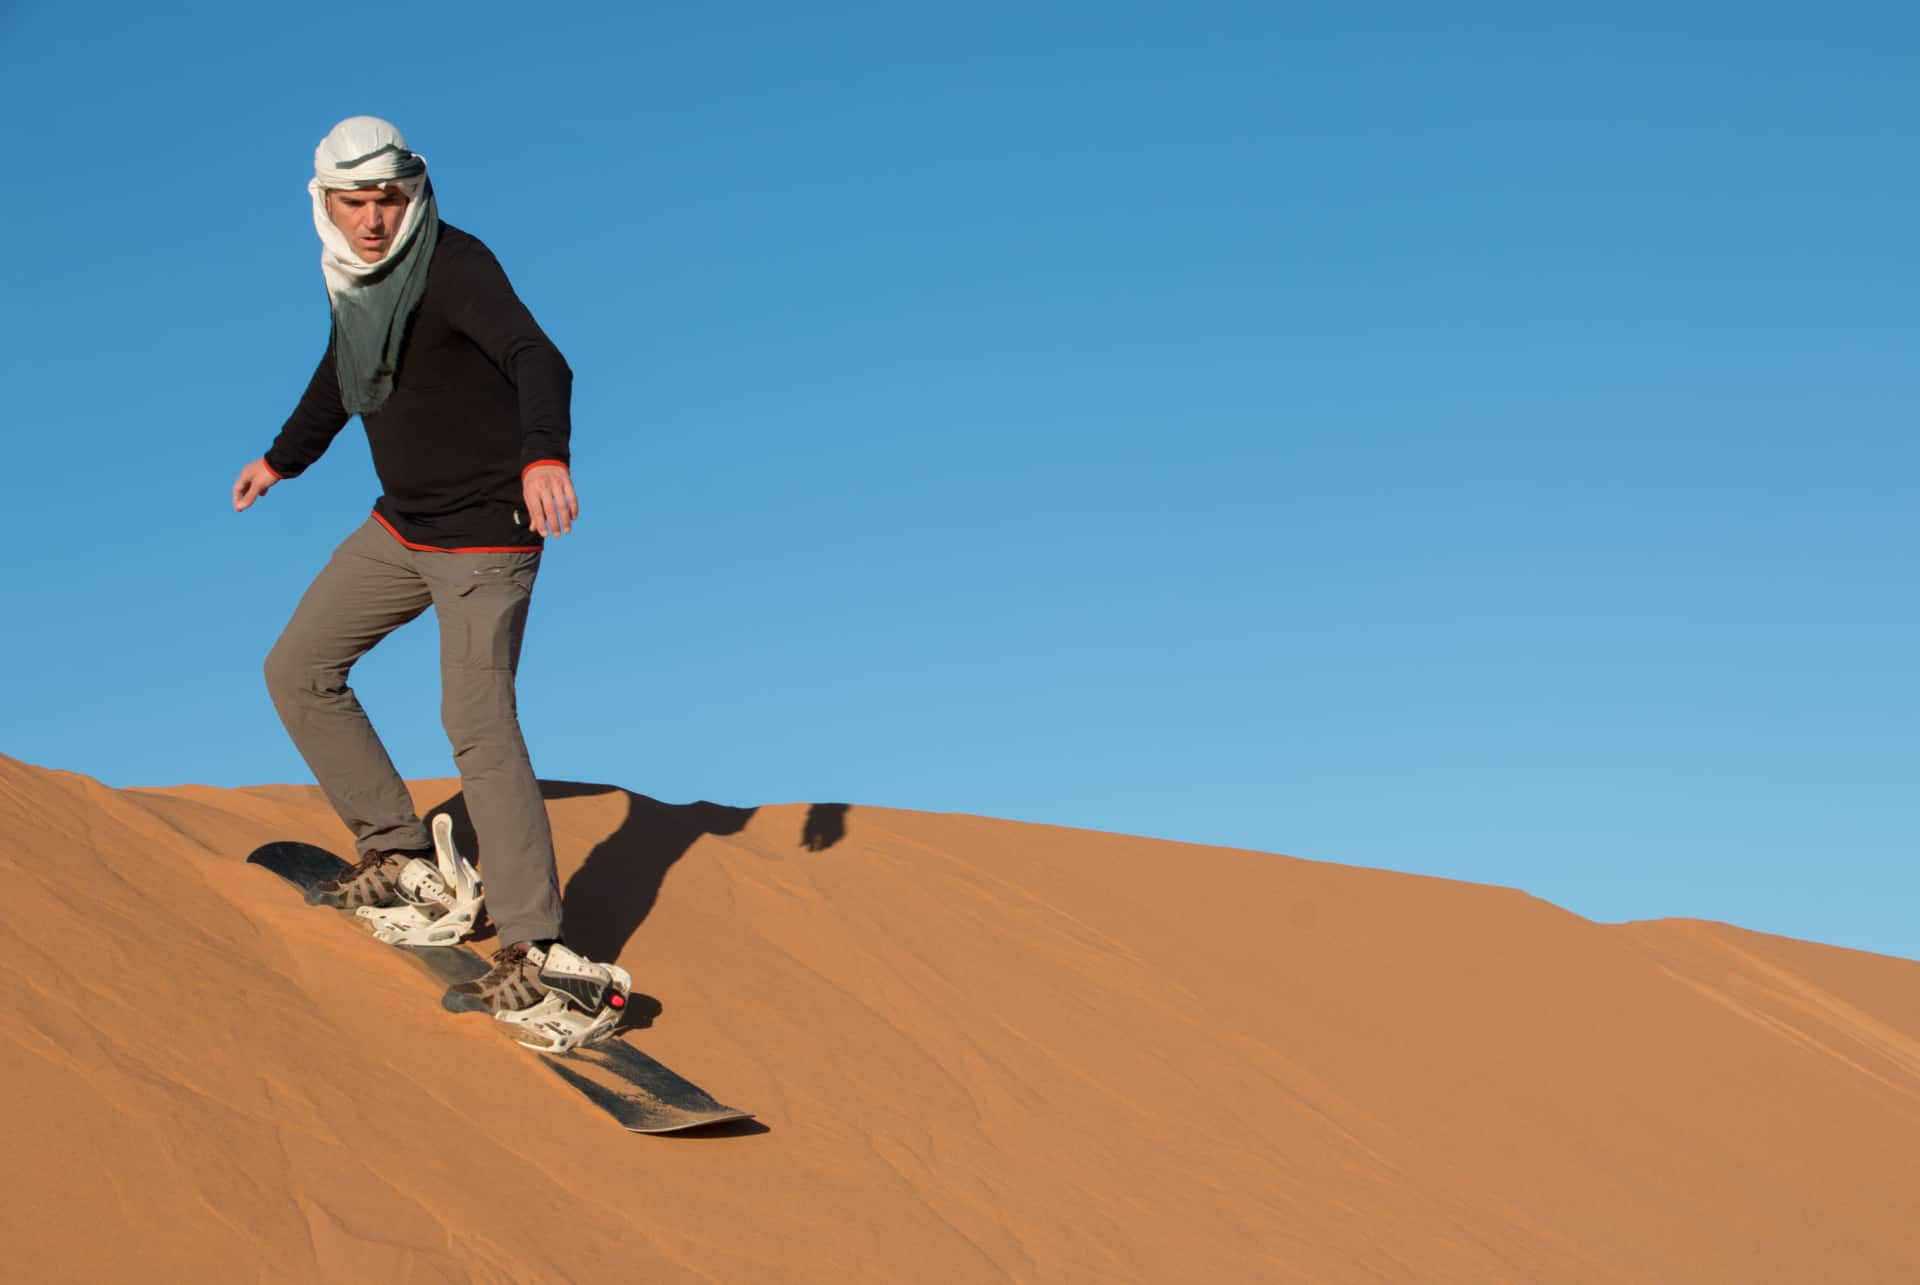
column 1470, row 439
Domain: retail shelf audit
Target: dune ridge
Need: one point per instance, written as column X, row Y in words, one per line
column 982, row 1050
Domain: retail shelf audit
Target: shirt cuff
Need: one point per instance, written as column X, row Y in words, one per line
column 561, row 464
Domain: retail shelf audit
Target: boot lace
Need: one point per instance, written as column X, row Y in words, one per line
column 358, row 869
column 506, row 962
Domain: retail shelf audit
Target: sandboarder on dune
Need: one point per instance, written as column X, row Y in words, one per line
column 466, row 406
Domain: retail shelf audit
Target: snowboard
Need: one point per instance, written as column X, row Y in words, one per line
column 640, row 1094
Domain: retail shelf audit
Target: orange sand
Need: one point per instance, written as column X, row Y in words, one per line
column 982, row 1051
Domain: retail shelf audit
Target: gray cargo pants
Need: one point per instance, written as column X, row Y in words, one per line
column 372, row 585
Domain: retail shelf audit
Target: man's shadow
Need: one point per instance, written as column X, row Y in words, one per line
column 607, row 899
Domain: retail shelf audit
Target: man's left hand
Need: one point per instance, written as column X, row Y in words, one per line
column 551, row 504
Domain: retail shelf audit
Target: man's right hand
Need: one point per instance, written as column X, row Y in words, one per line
column 255, row 480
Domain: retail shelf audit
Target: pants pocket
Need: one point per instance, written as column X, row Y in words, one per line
column 483, row 615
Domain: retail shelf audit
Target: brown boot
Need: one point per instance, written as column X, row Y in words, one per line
column 374, row 882
column 511, row 985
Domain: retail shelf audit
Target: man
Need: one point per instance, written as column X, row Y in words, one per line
column 465, row 402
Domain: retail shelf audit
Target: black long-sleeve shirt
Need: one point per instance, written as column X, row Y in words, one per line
column 481, row 396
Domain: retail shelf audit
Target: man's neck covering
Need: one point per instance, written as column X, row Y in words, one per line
column 372, row 302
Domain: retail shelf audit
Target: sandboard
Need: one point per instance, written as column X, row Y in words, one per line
column 642, row 1095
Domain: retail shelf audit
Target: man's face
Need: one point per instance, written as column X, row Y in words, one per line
column 368, row 217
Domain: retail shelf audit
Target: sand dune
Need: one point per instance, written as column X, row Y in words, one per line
column 981, row 1051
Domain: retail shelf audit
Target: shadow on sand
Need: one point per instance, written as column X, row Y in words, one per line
column 615, row 888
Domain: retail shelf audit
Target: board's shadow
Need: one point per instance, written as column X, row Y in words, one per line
column 725, row 1129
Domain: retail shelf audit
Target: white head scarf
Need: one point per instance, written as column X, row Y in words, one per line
column 363, row 152
column 372, row 302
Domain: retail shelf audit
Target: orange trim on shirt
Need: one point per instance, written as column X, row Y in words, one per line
column 542, row 464
column 278, row 476
column 434, row 548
